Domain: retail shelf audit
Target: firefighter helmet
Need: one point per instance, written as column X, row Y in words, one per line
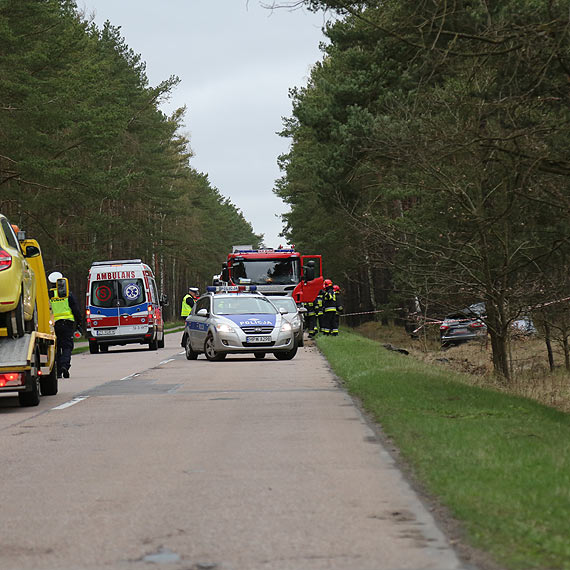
column 327, row 283
column 336, row 288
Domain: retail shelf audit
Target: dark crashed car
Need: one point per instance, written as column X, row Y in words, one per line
column 462, row 326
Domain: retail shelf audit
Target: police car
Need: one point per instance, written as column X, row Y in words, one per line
column 235, row 320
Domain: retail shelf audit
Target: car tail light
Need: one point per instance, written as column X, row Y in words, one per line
column 12, row 379
column 443, row 327
column 476, row 325
column 5, row 259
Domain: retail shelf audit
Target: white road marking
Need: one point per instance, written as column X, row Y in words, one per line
column 167, row 361
column 70, row 403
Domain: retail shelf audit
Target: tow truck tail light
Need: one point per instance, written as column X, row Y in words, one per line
column 12, row 379
column 5, row 259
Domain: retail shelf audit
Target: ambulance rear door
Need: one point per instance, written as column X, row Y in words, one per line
column 133, row 305
column 104, row 312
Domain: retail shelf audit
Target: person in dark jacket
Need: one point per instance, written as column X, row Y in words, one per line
column 328, row 308
column 67, row 317
column 339, row 309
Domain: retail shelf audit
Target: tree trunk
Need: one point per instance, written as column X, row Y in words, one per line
column 498, row 331
column 548, row 345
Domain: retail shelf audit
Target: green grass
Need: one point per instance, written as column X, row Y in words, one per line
column 500, row 463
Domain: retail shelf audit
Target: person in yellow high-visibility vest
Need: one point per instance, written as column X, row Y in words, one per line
column 187, row 304
column 67, row 319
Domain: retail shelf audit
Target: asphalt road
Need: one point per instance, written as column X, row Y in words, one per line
column 147, row 460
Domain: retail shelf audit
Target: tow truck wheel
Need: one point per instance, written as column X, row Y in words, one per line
column 32, row 398
column 93, row 347
column 49, row 383
column 210, row 351
column 190, row 354
column 286, row 354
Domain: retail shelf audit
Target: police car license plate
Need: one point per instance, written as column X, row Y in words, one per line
column 105, row 332
column 254, row 339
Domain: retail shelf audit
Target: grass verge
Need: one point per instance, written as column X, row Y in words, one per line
column 499, row 463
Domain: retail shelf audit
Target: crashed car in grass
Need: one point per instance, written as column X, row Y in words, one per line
column 463, row 325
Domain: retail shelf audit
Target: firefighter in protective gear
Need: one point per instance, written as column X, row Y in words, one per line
column 311, row 318
column 67, row 319
column 188, row 302
column 319, row 305
column 339, row 309
column 330, row 309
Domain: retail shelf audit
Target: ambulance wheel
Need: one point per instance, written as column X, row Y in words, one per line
column 190, row 354
column 49, row 382
column 104, row 348
column 161, row 342
column 209, row 350
column 286, row 355
column 153, row 345
column 93, row 347
column 259, row 355
column 32, row 398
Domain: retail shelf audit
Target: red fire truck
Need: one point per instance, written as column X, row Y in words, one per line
column 275, row 271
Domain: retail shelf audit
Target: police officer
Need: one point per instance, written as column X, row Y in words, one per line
column 67, row 319
column 188, row 302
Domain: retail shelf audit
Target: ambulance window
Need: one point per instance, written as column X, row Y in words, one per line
column 130, row 292
column 103, row 294
column 153, row 292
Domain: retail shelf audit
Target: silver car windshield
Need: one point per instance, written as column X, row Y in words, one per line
column 243, row 305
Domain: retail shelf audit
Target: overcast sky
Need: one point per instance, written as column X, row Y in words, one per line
column 236, row 61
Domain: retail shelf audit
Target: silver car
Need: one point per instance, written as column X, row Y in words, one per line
column 233, row 322
column 461, row 327
column 293, row 314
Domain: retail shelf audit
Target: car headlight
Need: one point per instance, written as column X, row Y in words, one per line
column 223, row 327
column 296, row 321
column 285, row 327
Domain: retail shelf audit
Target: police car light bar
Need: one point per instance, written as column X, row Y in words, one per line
column 231, row 288
column 267, row 250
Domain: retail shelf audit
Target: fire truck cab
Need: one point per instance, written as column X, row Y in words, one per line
column 275, row 271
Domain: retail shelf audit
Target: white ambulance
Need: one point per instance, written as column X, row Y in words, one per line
column 123, row 306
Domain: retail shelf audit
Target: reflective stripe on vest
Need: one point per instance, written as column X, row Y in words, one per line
column 61, row 309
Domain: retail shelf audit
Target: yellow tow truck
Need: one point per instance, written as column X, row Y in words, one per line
column 28, row 363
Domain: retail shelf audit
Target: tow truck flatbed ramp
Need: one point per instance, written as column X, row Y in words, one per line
column 16, row 353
